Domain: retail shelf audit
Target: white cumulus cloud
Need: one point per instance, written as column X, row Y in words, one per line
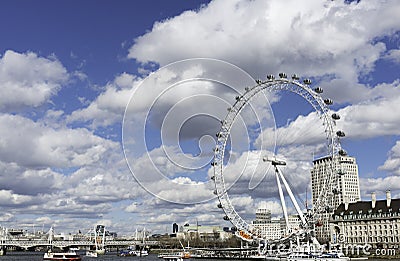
column 32, row 144
column 27, row 80
column 328, row 39
column 392, row 164
column 108, row 108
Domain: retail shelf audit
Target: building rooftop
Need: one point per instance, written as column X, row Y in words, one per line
column 366, row 207
column 322, row 158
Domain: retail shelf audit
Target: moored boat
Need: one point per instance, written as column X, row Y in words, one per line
column 175, row 255
column 332, row 256
column 172, row 257
column 130, row 252
column 62, row 256
column 100, row 251
column 3, row 251
column 91, row 253
column 142, row 252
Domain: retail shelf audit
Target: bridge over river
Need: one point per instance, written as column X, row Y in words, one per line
column 96, row 239
column 29, row 244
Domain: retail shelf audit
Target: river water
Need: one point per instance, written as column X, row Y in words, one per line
column 38, row 256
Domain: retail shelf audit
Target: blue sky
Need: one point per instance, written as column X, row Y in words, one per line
column 69, row 68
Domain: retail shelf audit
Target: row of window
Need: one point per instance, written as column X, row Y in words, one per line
column 362, row 223
column 374, row 240
column 376, row 233
column 384, row 226
column 365, row 216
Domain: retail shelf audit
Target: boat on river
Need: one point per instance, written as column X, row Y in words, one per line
column 175, row 255
column 90, row 253
column 334, row 256
column 172, row 258
column 62, row 256
column 133, row 252
column 3, row 251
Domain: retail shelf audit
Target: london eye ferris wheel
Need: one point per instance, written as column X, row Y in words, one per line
column 322, row 203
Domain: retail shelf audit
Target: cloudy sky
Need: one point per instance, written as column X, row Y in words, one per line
column 108, row 110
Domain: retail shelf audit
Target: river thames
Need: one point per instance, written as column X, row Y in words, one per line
column 38, row 256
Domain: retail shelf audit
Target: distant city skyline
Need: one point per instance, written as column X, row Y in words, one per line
column 68, row 70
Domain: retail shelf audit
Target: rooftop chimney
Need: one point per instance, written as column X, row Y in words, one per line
column 388, row 198
column 373, row 196
column 346, row 203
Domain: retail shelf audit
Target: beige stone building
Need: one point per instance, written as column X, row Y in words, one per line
column 274, row 228
column 205, row 233
column 375, row 222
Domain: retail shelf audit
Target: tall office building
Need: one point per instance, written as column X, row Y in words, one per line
column 347, row 187
column 263, row 216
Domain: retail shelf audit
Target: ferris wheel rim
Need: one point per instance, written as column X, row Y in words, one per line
column 313, row 97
